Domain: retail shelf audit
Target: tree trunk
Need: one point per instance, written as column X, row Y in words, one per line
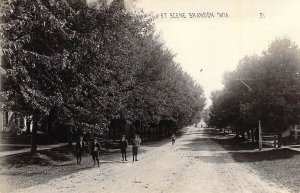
column 148, row 132
column 70, row 137
column 114, row 134
column 110, row 131
column 142, row 131
column 28, row 122
column 34, row 134
column 252, row 136
column 130, row 131
column 160, row 132
column 153, row 131
column 50, row 129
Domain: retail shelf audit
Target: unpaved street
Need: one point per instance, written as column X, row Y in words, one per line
column 194, row 164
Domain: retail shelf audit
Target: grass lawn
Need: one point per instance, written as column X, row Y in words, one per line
column 12, row 147
column 281, row 166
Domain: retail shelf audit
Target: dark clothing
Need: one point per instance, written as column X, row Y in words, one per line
column 95, row 154
column 123, row 145
column 79, row 150
column 80, row 147
column 95, row 148
column 135, row 147
column 124, row 158
column 173, row 141
column 135, row 150
column 123, row 150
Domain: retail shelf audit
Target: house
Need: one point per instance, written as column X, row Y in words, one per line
column 201, row 124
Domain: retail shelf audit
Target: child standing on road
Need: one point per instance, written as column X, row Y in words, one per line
column 123, row 147
column 173, row 138
column 95, row 148
column 135, row 146
column 79, row 149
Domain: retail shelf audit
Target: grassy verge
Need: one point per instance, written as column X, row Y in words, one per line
column 24, row 170
column 281, row 166
column 12, row 147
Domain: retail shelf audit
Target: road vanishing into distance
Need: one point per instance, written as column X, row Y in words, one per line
column 196, row 163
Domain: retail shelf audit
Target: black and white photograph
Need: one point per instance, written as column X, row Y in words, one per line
column 149, row 96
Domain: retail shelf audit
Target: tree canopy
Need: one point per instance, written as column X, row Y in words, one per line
column 273, row 95
column 85, row 65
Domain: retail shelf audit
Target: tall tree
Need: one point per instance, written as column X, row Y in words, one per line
column 273, row 96
column 83, row 66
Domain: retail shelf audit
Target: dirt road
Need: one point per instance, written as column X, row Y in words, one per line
column 194, row 164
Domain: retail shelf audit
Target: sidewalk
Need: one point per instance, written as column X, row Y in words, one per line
column 295, row 147
column 25, row 150
column 270, row 143
column 292, row 147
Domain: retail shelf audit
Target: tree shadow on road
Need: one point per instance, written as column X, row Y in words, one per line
column 156, row 142
column 198, row 133
column 42, row 158
column 199, row 144
column 25, row 170
column 237, row 152
column 216, row 159
column 259, row 156
column 233, row 144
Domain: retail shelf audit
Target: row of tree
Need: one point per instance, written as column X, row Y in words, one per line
column 82, row 66
column 265, row 87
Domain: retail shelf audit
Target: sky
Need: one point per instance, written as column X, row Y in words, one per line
column 216, row 44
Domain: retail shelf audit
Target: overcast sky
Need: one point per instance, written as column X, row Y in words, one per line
column 217, row 44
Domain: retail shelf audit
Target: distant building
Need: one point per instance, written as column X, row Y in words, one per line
column 201, row 124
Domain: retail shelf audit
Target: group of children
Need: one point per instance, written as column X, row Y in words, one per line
column 95, row 148
column 135, row 146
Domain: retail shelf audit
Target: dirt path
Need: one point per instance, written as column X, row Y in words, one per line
column 194, row 164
